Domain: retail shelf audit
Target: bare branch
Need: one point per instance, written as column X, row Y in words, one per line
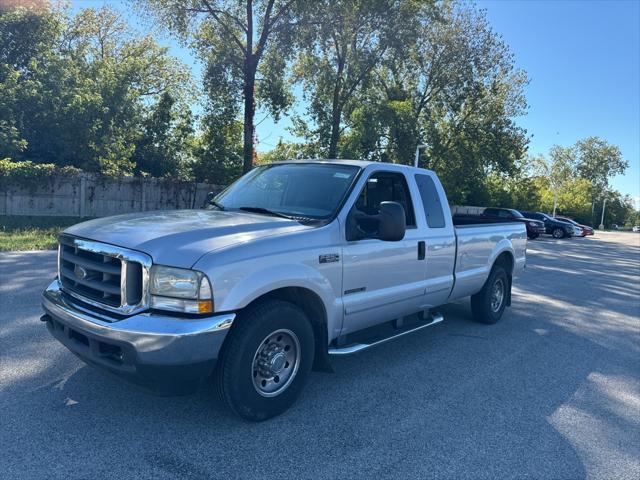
column 266, row 27
column 216, row 17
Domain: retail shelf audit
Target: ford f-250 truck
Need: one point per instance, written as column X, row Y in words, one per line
column 293, row 263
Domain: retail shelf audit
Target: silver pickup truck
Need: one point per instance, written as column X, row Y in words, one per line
column 293, row 263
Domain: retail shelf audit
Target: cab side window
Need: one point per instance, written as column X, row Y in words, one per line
column 386, row 187
column 430, row 201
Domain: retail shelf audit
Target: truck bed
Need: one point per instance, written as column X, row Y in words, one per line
column 478, row 241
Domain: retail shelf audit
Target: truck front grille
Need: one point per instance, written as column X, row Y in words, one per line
column 103, row 275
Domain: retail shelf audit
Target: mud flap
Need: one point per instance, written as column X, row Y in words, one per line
column 321, row 361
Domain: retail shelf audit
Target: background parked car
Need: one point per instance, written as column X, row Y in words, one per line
column 636, row 228
column 554, row 227
column 534, row 227
column 586, row 230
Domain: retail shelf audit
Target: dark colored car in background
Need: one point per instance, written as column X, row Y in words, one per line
column 534, row 227
column 586, row 230
column 556, row 228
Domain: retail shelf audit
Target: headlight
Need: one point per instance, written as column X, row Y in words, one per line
column 532, row 224
column 180, row 290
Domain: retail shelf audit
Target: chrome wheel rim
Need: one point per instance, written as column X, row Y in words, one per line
column 497, row 295
column 557, row 233
column 275, row 363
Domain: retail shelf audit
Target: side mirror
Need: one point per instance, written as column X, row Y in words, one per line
column 210, row 196
column 393, row 222
column 388, row 225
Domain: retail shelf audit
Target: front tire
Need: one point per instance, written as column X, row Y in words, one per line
column 533, row 236
column 489, row 303
column 558, row 232
column 266, row 360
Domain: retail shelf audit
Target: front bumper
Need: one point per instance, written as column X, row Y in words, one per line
column 163, row 353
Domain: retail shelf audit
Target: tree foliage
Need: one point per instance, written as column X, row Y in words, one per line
column 379, row 84
column 75, row 91
column 346, row 42
column 598, row 161
column 378, row 78
column 237, row 40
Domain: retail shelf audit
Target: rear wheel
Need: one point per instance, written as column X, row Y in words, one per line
column 489, row 303
column 266, row 360
column 558, row 232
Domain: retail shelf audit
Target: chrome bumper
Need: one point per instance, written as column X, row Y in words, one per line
column 133, row 345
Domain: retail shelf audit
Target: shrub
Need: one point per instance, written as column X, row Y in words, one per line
column 30, row 175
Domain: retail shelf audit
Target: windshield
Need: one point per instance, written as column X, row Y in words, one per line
column 516, row 214
column 547, row 217
column 309, row 190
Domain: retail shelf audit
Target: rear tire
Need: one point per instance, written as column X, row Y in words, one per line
column 266, row 360
column 489, row 303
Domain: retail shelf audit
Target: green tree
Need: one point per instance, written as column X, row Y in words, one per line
column 557, row 171
column 166, row 145
column 617, row 211
column 598, row 161
column 26, row 40
column 74, row 91
column 288, row 151
column 237, row 40
column 346, row 41
column 219, row 152
column 465, row 93
column 443, row 78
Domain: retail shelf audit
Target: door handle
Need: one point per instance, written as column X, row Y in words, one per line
column 422, row 248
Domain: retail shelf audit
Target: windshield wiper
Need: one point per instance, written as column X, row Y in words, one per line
column 265, row 211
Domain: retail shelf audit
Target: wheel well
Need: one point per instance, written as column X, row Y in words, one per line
column 505, row 260
column 311, row 304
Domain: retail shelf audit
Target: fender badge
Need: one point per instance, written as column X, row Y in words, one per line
column 329, row 258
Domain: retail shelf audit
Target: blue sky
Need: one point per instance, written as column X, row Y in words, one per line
column 583, row 61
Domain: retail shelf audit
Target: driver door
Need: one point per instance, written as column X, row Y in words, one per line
column 383, row 280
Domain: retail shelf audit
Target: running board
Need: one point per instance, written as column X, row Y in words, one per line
column 358, row 347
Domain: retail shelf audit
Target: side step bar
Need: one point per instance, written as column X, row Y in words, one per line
column 358, row 347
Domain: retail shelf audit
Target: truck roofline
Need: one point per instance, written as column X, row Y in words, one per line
column 357, row 163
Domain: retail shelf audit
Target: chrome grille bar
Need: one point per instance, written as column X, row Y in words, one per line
column 109, row 277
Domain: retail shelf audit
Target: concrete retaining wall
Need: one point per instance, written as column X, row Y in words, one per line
column 96, row 196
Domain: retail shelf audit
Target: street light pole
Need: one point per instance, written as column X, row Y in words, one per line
column 415, row 163
column 602, row 219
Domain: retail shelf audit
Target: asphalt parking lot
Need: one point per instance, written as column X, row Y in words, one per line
column 550, row 392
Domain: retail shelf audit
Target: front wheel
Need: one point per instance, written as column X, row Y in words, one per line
column 533, row 236
column 266, row 360
column 558, row 232
column 489, row 303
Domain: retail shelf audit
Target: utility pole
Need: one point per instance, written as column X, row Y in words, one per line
column 555, row 202
column 602, row 219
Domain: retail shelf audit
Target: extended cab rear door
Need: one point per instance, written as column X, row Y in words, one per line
column 382, row 280
column 434, row 220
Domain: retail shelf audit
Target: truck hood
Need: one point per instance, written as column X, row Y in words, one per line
column 180, row 237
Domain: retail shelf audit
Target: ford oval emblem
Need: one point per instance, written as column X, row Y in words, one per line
column 80, row 272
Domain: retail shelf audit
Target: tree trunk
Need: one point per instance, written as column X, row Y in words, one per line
column 250, row 64
column 336, row 113
column 335, row 132
column 249, row 112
